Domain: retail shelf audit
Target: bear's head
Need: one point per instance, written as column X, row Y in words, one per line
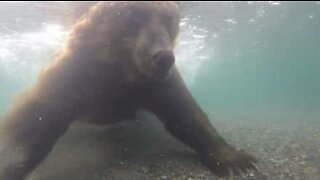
column 155, row 27
column 139, row 34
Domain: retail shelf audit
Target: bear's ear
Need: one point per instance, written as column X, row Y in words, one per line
column 178, row 3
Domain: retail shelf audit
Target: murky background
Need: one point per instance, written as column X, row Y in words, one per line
column 253, row 66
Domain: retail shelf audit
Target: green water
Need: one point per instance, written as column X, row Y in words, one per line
column 268, row 70
column 256, row 60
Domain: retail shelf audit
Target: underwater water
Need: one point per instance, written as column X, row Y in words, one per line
column 254, row 67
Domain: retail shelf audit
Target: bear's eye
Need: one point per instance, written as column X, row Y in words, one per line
column 136, row 19
column 170, row 23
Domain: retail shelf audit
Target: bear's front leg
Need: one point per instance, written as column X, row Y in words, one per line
column 183, row 118
column 28, row 133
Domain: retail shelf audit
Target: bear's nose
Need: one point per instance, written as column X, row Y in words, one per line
column 164, row 60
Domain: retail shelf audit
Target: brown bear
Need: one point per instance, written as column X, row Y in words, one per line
column 117, row 59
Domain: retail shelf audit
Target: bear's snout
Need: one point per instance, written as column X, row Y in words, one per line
column 164, row 61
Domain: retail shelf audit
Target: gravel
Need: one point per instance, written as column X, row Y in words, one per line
column 289, row 149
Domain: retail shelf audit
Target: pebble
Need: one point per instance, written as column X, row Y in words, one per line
column 143, row 169
column 164, row 177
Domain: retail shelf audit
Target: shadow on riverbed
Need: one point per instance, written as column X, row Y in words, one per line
column 128, row 150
